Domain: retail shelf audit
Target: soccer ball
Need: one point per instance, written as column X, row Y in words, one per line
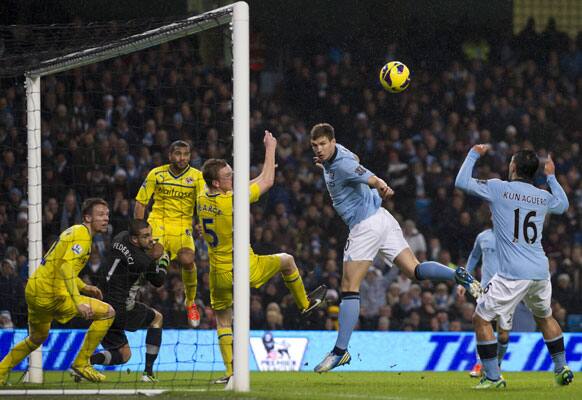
column 395, row 77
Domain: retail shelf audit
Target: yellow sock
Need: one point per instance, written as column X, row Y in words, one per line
column 16, row 355
column 190, row 279
column 295, row 285
column 96, row 331
column 225, row 344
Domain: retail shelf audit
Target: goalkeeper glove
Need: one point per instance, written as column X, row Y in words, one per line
column 164, row 262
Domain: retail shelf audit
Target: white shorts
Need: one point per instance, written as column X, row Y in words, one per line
column 379, row 234
column 501, row 296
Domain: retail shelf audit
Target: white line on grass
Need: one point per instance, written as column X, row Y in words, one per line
column 362, row 396
column 31, row 392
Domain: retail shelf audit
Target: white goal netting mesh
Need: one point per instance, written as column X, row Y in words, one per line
column 104, row 125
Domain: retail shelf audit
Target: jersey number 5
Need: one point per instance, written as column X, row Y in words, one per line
column 210, row 232
column 528, row 227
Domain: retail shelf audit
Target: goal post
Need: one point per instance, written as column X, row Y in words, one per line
column 33, row 121
column 241, row 197
column 237, row 15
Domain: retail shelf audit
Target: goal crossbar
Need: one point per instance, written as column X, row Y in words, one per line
column 133, row 43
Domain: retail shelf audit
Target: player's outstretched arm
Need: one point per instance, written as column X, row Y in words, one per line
column 464, row 175
column 559, row 203
column 465, row 182
column 267, row 177
column 474, row 256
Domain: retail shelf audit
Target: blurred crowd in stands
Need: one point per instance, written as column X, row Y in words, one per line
column 106, row 125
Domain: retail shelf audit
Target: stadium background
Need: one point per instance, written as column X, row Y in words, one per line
column 482, row 75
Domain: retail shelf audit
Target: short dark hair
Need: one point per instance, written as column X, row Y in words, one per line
column 322, row 130
column 136, row 225
column 526, row 164
column 210, row 169
column 90, row 203
column 179, row 143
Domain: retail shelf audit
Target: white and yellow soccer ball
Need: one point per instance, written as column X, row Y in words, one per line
column 395, row 77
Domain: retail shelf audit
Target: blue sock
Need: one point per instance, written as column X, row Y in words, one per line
column 491, row 369
column 348, row 318
column 434, row 271
column 556, row 350
column 488, row 353
column 501, row 350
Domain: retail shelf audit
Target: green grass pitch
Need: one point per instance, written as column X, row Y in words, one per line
column 331, row 386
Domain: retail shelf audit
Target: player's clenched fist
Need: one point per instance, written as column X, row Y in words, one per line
column 269, row 140
column 481, row 148
column 549, row 167
column 386, row 191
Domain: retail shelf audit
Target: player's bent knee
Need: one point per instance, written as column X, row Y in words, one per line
column 101, row 310
column 478, row 321
column 223, row 318
column 125, row 352
column 503, row 336
column 543, row 321
column 287, row 263
column 38, row 338
column 158, row 320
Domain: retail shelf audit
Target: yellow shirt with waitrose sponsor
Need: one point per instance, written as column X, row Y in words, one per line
column 174, row 195
column 74, row 247
column 215, row 214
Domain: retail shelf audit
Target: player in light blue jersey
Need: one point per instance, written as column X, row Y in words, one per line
column 357, row 196
column 518, row 209
column 484, row 248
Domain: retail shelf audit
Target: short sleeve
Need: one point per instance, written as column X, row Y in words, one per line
column 352, row 171
column 146, row 190
column 200, row 183
column 77, row 245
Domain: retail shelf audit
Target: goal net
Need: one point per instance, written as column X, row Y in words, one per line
column 88, row 111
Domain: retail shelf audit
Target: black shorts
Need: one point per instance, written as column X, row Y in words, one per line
column 139, row 318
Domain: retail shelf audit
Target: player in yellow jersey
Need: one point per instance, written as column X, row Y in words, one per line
column 174, row 188
column 215, row 210
column 53, row 292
